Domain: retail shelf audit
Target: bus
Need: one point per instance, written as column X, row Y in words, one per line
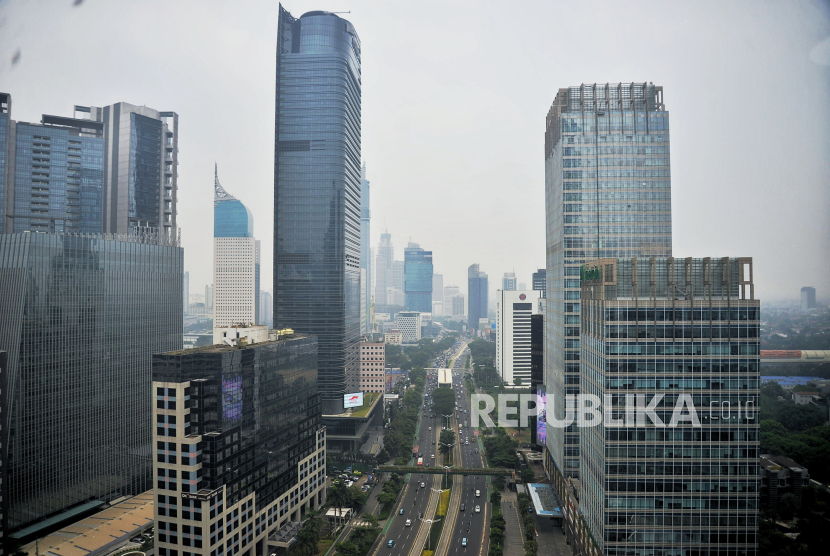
column 420, row 462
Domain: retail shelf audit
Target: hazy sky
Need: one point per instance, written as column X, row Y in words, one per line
column 455, row 95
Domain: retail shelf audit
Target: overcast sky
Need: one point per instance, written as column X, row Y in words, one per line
column 455, row 95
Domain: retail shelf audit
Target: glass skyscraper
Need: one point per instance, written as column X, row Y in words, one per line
column 5, row 137
column 671, row 327
column 82, row 316
column 317, row 193
column 608, row 194
column 365, row 255
column 417, row 278
column 477, row 296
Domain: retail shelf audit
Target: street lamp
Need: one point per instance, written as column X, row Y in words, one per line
column 429, row 534
column 448, row 417
column 446, row 472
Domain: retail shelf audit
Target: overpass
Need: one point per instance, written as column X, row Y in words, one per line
column 438, row 470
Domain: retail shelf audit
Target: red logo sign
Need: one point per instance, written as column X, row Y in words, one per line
column 522, row 296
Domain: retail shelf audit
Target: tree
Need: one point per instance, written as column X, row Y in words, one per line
column 517, row 381
column 339, row 496
column 446, row 439
column 527, row 476
column 787, row 506
column 371, row 519
column 495, row 497
column 443, row 401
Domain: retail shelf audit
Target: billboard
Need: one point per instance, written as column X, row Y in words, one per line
column 231, row 397
column 353, row 400
column 541, row 417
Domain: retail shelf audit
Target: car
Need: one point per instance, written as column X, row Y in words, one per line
column 432, row 456
column 463, row 541
column 137, row 540
column 478, row 493
column 462, row 507
column 478, row 509
column 391, row 543
column 433, row 442
column 427, row 464
column 408, row 523
column 400, row 512
column 423, row 484
column 476, row 451
column 430, row 428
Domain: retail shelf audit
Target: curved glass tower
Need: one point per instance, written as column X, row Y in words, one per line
column 317, row 193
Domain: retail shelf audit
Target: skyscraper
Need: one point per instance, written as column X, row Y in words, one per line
column 5, row 140
column 82, row 317
column 514, row 309
column 418, row 278
column 438, row 293
column 398, row 275
column 476, row 295
column 235, row 262
column 185, row 292
column 539, row 281
column 383, row 268
column 608, row 194
column 508, row 282
column 317, row 193
column 365, row 254
column 663, row 329
column 808, row 298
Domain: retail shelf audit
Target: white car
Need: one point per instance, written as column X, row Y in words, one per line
column 478, row 509
column 408, row 522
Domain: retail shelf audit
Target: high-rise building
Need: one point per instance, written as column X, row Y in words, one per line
column 476, row 295
column 266, row 308
column 209, row 297
column 235, row 261
column 398, row 275
column 418, row 278
column 317, row 193
column 808, row 298
column 365, row 254
column 458, row 305
column 508, row 282
column 6, row 139
column 383, row 268
column 438, row 292
column 514, row 309
column 3, row 479
column 608, row 194
column 239, row 450
column 82, row 317
column 372, row 366
column 653, row 332
column 185, row 292
column 537, row 376
column 409, row 324
column 538, row 282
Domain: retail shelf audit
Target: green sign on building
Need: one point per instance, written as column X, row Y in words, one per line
column 593, row 273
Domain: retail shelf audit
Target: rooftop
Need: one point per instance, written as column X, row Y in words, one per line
column 224, row 348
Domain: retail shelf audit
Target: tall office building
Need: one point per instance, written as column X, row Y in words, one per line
column 365, row 254
column 514, row 309
column 185, row 292
column 418, row 278
column 3, row 441
column 209, row 297
column 538, row 282
column 317, row 193
column 235, row 262
column 383, row 267
column 6, row 139
column 808, row 298
column 476, row 296
column 82, row 317
column 438, row 293
column 266, row 309
column 608, row 194
column 398, row 275
column 409, row 324
column 668, row 327
column 508, row 282
column 239, row 451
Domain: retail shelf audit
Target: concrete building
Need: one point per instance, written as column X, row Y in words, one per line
column 398, row 278
column 808, row 298
column 372, row 366
column 780, row 476
column 477, row 296
column 239, row 449
column 539, row 281
column 393, row 337
column 383, row 267
column 266, row 308
column 805, row 398
column 366, row 290
column 445, row 378
column 209, row 297
column 235, row 261
column 186, row 293
column 82, row 317
column 317, row 193
column 6, row 139
column 607, row 194
column 409, row 323
column 438, row 294
column 508, row 282
column 683, row 336
column 513, row 342
column 395, row 297
column 418, row 278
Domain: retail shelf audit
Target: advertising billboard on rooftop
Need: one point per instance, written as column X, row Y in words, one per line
column 353, row 400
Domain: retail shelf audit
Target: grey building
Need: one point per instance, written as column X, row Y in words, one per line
column 5, row 141
column 398, row 278
column 808, row 298
column 476, row 296
column 317, row 193
column 82, row 316
column 383, row 267
column 607, row 194
column 779, row 476
column 365, row 254
column 185, row 292
column 655, row 331
column 539, row 281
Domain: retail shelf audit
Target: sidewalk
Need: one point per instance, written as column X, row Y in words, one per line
column 513, row 540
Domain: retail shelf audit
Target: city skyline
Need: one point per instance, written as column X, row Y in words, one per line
column 775, row 47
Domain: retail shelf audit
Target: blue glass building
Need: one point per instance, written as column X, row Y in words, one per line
column 5, row 131
column 317, row 193
column 477, row 284
column 417, row 273
column 608, row 194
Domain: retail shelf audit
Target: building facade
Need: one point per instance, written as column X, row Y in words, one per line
column 514, row 309
column 409, row 324
column 438, row 294
column 235, row 261
column 608, row 194
column 780, row 476
column 317, row 193
column 6, row 139
column 393, row 337
column 365, row 254
column 383, row 267
column 477, row 296
column 808, row 298
column 539, row 281
column 417, row 279
column 82, row 317
column 508, row 282
column 239, row 451
column 372, row 366
column 681, row 336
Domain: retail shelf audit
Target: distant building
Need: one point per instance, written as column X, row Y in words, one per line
column 84, row 320
column 6, row 139
column 395, row 297
column 539, row 281
column 239, row 450
column 477, row 293
column 418, row 278
column 537, row 373
column 808, row 298
column 409, row 323
column 508, row 282
column 372, row 366
column 209, row 297
column 366, row 290
column 383, row 267
column 235, row 261
column 514, row 309
column 459, row 305
column 780, row 476
column 186, row 293
column 398, row 275
column 393, row 337
column 438, row 293
column 805, row 398
column 266, row 308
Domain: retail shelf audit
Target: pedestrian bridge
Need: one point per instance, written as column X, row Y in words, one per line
column 438, row 470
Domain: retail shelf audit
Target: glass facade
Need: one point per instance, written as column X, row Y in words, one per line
column 5, row 123
column 417, row 279
column 145, row 170
column 477, row 292
column 608, row 194
column 666, row 327
column 317, row 193
column 230, row 217
column 365, row 254
column 58, row 180
column 82, row 317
